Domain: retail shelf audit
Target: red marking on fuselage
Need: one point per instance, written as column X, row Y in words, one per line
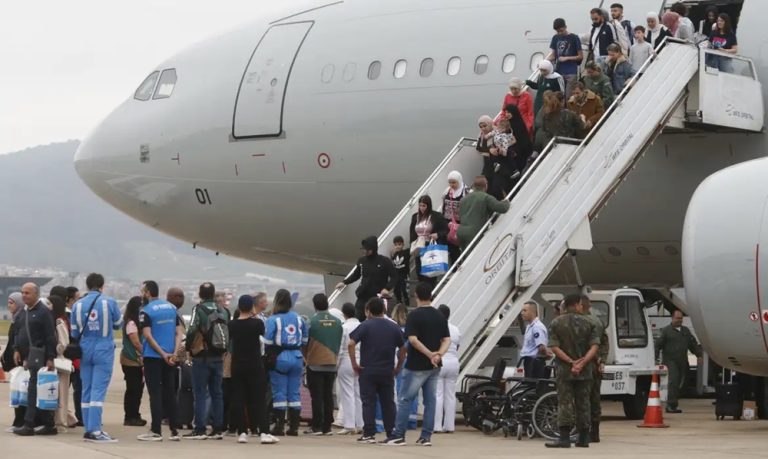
column 757, row 287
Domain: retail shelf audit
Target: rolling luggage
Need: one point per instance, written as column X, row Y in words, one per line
column 185, row 402
column 729, row 400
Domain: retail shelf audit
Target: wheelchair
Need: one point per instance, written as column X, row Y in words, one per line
column 527, row 409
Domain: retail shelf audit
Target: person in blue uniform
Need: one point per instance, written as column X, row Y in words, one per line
column 535, row 342
column 286, row 334
column 94, row 317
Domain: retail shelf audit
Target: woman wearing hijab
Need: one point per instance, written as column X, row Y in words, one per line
column 451, row 202
column 15, row 305
column 548, row 80
column 523, row 147
column 522, row 100
column 485, row 143
column 656, row 30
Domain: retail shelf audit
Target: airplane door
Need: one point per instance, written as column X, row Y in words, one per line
column 260, row 98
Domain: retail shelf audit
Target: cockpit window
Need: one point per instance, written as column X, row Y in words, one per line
column 144, row 92
column 165, row 86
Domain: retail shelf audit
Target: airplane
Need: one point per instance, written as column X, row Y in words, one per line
column 289, row 140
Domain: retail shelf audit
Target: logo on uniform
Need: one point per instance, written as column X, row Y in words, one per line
column 291, row 329
column 92, row 316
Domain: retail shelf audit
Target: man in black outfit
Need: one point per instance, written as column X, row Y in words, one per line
column 34, row 329
column 377, row 275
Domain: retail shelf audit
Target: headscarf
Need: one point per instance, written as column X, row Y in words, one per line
column 456, row 175
column 671, row 20
column 516, row 83
column 523, row 144
column 19, row 301
column 485, row 119
column 656, row 30
column 545, row 64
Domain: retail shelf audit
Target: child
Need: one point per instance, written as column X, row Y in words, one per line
column 401, row 258
column 641, row 50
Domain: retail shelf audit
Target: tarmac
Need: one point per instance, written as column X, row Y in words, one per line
column 692, row 434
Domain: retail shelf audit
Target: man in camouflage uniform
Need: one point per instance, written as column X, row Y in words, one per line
column 597, row 376
column 574, row 340
column 674, row 342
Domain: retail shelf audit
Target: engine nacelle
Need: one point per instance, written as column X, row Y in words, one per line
column 725, row 266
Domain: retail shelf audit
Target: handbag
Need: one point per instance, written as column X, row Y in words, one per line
column 453, row 230
column 73, row 350
column 36, row 356
column 434, row 260
column 63, row 365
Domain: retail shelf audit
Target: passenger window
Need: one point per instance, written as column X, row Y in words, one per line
column 165, row 86
column 454, row 66
column 601, row 311
column 631, row 329
column 374, row 70
column 327, row 74
column 147, row 87
column 481, row 65
column 427, row 66
column 508, row 64
column 535, row 59
column 400, row 67
column 349, row 72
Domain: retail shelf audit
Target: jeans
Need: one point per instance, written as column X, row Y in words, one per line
column 320, row 385
column 160, row 378
column 44, row 417
column 383, row 386
column 134, row 390
column 207, row 375
column 413, row 381
column 401, row 290
column 77, row 394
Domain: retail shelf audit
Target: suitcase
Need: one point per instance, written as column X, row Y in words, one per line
column 185, row 400
column 729, row 400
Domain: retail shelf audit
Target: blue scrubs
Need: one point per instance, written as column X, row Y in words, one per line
column 94, row 329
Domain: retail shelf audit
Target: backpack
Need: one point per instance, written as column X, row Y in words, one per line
column 620, row 37
column 216, row 332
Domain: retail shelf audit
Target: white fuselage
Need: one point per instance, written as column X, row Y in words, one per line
column 350, row 150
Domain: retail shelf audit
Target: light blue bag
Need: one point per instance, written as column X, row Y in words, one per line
column 47, row 390
column 434, row 260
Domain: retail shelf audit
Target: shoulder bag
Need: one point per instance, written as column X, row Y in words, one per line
column 73, row 350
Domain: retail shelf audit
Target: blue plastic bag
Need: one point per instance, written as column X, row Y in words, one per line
column 434, row 260
column 47, row 390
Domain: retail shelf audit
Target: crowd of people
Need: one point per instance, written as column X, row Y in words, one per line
column 246, row 366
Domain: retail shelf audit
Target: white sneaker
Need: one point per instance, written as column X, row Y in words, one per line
column 10, row 429
column 243, row 438
column 268, row 439
column 345, row 431
column 150, row 436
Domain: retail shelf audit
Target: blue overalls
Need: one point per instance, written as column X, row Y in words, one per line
column 288, row 331
column 94, row 329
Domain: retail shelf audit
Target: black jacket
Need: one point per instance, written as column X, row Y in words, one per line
column 7, row 357
column 41, row 328
column 376, row 273
column 439, row 226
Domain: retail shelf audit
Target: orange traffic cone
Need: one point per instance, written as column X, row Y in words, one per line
column 653, row 414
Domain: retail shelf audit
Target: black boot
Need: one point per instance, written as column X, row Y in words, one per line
column 294, row 417
column 594, row 434
column 278, row 430
column 583, row 441
column 563, row 442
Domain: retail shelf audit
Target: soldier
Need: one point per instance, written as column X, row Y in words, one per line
column 674, row 342
column 597, row 376
column 574, row 341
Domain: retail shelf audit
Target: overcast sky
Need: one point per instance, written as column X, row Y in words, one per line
column 65, row 64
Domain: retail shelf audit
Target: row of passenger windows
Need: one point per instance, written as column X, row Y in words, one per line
column 427, row 67
column 157, row 85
